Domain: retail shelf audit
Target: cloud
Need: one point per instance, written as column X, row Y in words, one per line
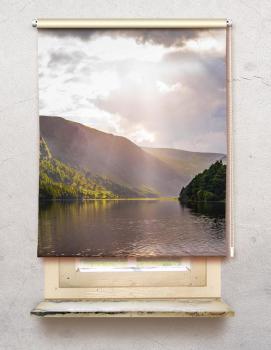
column 141, row 135
column 165, row 89
column 160, row 88
column 166, row 37
column 62, row 58
column 180, row 103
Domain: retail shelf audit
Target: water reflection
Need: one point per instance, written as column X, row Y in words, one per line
column 213, row 210
column 131, row 228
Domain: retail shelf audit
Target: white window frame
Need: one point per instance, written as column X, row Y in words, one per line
column 207, row 270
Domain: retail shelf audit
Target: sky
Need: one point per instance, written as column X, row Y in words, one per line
column 159, row 88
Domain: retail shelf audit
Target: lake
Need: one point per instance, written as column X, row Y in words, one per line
column 133, row 228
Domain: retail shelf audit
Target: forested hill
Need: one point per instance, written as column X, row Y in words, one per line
column 210, row 185
column 75, row 157
column 147, row 172
column 60, row 181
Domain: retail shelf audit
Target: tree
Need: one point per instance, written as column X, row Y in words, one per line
column 210, row 185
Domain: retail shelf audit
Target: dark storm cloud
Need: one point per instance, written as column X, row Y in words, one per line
column 165, row 37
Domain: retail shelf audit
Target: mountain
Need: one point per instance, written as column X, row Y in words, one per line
column 210, row 185
column 59, row 181
column 119, row 165
column 189, row 163
column 109, row 156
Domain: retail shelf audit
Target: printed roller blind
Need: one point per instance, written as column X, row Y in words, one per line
column 134, row 138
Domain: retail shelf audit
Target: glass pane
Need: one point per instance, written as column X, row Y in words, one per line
column 131, row 264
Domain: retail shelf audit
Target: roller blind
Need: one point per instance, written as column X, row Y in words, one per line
column 135, row 138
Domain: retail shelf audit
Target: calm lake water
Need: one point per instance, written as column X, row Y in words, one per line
column 131, row 228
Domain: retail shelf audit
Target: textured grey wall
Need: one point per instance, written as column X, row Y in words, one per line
column 246, row 279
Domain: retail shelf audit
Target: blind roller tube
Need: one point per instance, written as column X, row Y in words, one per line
column 129, row 23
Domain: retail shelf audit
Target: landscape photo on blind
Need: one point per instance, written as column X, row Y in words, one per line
column 133, row 142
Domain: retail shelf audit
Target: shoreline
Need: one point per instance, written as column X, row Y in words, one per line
column 127, row 199
column 109, row 199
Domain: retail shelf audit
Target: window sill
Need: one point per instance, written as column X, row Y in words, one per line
column 211, row 307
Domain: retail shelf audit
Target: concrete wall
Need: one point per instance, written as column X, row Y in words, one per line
column 246, row 279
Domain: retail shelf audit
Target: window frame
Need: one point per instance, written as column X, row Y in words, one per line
column 210, row 289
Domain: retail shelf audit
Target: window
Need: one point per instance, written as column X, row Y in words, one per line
column 128, row 287
column 198, row 277
column 185, row 288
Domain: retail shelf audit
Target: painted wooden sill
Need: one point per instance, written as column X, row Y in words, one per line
column 133, row 308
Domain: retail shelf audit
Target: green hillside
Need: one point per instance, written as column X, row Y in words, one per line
column 123, row 191
column 107, row 165
column 59, row 181
column 210, row 185
column 109, row 156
